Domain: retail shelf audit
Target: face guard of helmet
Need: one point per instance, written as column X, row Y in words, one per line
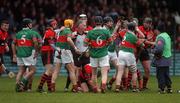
column 82, row 17
column 52, row 23
column 68, row 23
column 98, row 20
column 131, row 26
column 27, row 23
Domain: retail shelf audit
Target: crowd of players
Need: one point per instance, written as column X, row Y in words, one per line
column 84, row 49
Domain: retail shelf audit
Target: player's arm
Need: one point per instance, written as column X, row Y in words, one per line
column 36, row 46
column 13, row 46
column 71, row 43
column 87, row 40
column 115, row 31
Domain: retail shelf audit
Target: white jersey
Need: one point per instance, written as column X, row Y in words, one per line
column 80, row 43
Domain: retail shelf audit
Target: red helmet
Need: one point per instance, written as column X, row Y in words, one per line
column 88, row 69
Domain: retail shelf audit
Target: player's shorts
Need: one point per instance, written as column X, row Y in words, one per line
column 113, row 56
column 66, row 56
column 27, row 61
column 127, row 59
column 80, row 61
column 99, row 62
column 47, row 57
column 57, row 57
column 144, row 55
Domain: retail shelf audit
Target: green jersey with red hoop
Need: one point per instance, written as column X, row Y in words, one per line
column 130, row 42
column 24, row 41
column 112, row 45
column 62, row 38
column 98, row 40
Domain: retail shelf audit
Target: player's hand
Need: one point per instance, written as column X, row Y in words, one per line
column 86, row 54
column 77, row 50
column 35, row 55
column 118, row 24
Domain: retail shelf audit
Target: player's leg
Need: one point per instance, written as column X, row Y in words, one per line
column 68, row 81
column 71, row 69
column 55, row 74
column 104, row 64
column 119, row 77
column 57, row 67
column 20, row 73
column 47, row 59
column 114, row 60
column 133, row 70
column 145, row 61
column 146, row 66
column 3, row 69
column 140, row 80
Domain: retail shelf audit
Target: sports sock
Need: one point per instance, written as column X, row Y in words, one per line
column 112, row 80
column 43, row 80
column 49, row 83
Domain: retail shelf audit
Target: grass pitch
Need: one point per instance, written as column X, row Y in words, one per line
column 8, row 94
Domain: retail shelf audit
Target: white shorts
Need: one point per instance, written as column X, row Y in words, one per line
column 57, row 58
column 127, row 59
column 27, row 61
column 66, row 56
column 99, row 62
column 112, row 56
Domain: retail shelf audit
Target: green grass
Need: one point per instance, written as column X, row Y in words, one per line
column 8, row 94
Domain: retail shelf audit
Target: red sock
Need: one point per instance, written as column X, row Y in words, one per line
column 103, row 87
column 75, row 88
column 112, row 80
column 145, row 80
column 129, row 79
column 49, row 83
column 43, row 80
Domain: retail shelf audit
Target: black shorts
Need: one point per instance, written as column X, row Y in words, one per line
column 47, row 57
column 80, row 61
column 144, row 55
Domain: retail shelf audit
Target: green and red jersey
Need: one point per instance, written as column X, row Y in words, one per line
column 49, row 38
column 112, row 45
column 98, row 40
column 130, row 42
column 62, row 38
column 24, row 41
column 38, row 36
